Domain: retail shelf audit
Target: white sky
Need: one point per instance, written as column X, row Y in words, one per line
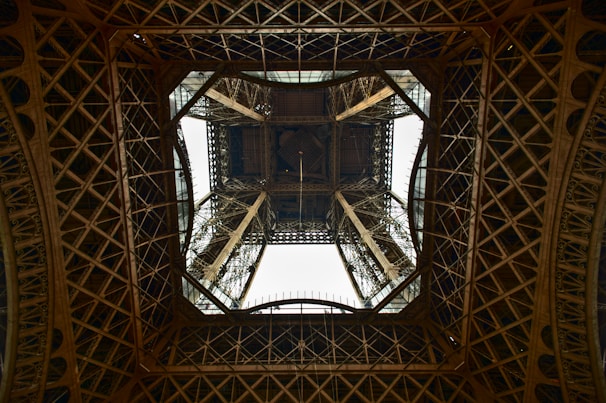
column 291, row 270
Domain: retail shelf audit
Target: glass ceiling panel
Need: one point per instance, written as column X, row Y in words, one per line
column 413, row 88
column 300, row 77
column 186, row 90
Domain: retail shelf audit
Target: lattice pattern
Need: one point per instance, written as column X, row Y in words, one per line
column 299, row 31
column 452, row 178
column 579, row 242
column 386, row 222
column 519, row 138
column 307, row 387
column 214, row 225
column 149, row 181
column 84, row 156
column 219, row 165
column 27, row 346
column 514, row 219
column 350, row 94
column 321, row 342
column 269, row 14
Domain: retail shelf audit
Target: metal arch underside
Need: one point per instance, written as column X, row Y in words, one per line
column 299, row 146
column 514, row 210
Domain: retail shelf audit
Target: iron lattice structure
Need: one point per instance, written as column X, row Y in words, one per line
column 513, row 289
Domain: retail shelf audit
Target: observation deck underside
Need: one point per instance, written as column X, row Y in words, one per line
column 96, row 209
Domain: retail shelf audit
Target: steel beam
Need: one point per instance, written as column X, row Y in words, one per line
column 411, row 104
column 390, row 270
column 300, row 29
column 199, row 94
column 374, row 99
column 310, row 368
column 232, row 104
column 210, row 272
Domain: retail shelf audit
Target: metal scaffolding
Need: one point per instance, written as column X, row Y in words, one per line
column 504, row 302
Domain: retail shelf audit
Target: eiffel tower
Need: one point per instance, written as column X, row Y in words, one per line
column 486, row 282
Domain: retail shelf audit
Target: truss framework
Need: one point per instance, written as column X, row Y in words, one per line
column 513, row 223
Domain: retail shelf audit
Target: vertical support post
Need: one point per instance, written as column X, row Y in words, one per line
column 375, row 250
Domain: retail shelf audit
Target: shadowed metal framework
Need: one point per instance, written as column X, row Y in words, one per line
column 303, row 157
column 513, row 290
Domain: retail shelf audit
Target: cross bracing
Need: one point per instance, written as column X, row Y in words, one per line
column 293, row 144
column 512, row 232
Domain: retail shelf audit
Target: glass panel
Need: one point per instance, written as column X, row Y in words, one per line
column 186, row 90
column 303, row 77
column 413, row 88
column 418, row 203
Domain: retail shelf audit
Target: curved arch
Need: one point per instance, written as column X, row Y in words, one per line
column 31, row 290
column 576, row 255
column 180, row 148
column 8, row 287
column 593, row 273
column 293, row 301
column 310, row 85
column 416, row 227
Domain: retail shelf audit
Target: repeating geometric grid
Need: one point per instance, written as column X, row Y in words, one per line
column 289, row 358
column 580, row 270
column 384, row 221
column 25, row 283
column 75, row 79
column 514, row 208
column 271, row 31
column 149, row 179
column 309, row 343
column 451, row 177
column 523, row 79
column 307, row 387
column 215, row 220
column 576, row 282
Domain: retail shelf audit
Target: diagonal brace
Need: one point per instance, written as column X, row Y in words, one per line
column 211, row 271
column 389, row 269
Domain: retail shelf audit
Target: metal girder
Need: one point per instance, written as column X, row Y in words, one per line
column 24, row 268
column 320, row 340
column 290, row 30
column 337, row 386
column 230, row 103
column 273, row 33
column 475, row 196
column 303, row 369
column 402, row 94
column 210, row 272
column 514, row 242
column 88, row 251
column 388, row 267
column 383, row 217
column 291, row 15
column 578, row 242
column 538, row 350
column 373, row 99
column 197, row 95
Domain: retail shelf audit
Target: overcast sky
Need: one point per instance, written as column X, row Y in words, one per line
column 291, row 269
